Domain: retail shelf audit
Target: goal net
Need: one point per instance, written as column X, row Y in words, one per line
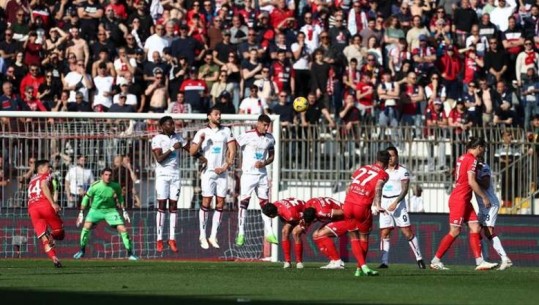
column 94, row 141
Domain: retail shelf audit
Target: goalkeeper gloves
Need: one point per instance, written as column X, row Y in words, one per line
column 80, row 218
column 126, row 216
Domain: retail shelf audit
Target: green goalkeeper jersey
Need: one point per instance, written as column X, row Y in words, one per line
column 104, row 196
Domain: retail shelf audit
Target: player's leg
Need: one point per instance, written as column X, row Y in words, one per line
column 285, row 244
column 262, row 191
column 246, row 189
column 402, row 220
column 174, row 196
column 207, row 185
column 220, row 191
column 162, row 189
column 489, row 222
column 456, row 214
column 297, row 231
column 85, row 236
column 40, row 228
column 126, row 240
column 387, row 224
column 474, row 238
column 323, row 240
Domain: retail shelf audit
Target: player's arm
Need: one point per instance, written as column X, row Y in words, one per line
column 405, row 185
column 271, row 157
column 47, row 192
column 484, row 182
column 161, row 156
column 377, row 203
column 86, row 198
column 477, row 188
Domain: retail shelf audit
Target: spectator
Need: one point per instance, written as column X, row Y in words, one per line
column 312, row 31
column 123, row 64
column 156, row 42
column 78, row 46
column 450, row 67
column 32, row 79
column 417, row 204
column 320, row 75
column 78, row 81
column 392, row 33
column 460, row 122
column 250, row 71
column 388, row 94
column 122, row 106
column 267, row 88
column 464, row 18
column 245, row 48
column 506, row 154
column 158, row 93
column 436, row 132
column 339, row 34
column 31, row 101
column 49, row 92
column 412, row 101
column 357, row 19
column 424, row 57
column 80, row 104
column 89, row 13
column 479, row 43
column 216, row 36
column 141, row 20
column 501, row 13
column 77, row 181
column 283, row 75
column 442, row 36
column 253, row 104
column 435, row 89
column 487, row 101
column 397, row 56
column 473, row 104
column 530, row 96
column 102, row 99
column 526, row 60
column 33, row 49
column 530, row 24
column 473, row 64
column 372, row 30
column 373, row 48
column 487, row 29
column 365, row 97
column 124, row 173
column 112, row 25
column 351, row 78
column 238, row 30
column 513, row 42
column 504, row 116
column 412, row 36
column 209, row 71
column 224, row 48
column 224, row 103
column 20, row 27
column 195, row 91
column 301, row 53
column 314, row 113
column 234, row 77
column 354, row 50
column 220, row 86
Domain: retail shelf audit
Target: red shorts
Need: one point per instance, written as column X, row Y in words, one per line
column 461, row 212
column 362, row 216
column 341, row 227
column 43, row 216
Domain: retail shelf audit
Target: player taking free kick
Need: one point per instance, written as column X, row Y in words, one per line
column 43, row 210
column 105, row 195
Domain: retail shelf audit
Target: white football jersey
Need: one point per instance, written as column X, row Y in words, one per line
column 255, row 147
column 393, row 186
column 491, row 194
column 171, row 165
column 214, row 146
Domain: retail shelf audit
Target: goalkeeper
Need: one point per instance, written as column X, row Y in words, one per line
column 105, row 196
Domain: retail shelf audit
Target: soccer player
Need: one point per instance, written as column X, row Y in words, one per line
column 488, row 216
column 257, row 147
column 105, row 195
column 325, row 209
column 461, row 209
column 290, row 211
column 43, row 210
column 165, row 148
column 361, row 201
column 393, row 201
column 219, row 148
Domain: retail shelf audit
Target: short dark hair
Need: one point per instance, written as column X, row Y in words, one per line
column 40, row 163
column 383, row 157
column 393, row 149
column 264, row 118
column 106, row 169
column 474, row 142
column 269, row 209
column 164, row 119
column 309, row 215
column 212, row 109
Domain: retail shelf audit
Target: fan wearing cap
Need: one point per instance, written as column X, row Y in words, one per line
column 450, row 67
column 424, row 56
column 121, row 106
column 196, row 91
column 131, row 99
column 187, row 46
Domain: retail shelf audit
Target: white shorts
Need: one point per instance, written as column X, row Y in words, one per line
column 167, row 187
column 397, row 218
column 487, row 216
column 258, row 183
column 213, row 184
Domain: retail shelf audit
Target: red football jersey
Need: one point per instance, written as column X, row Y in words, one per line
column 465, row 164
column 35, row 193
column 290, row 209
column 323, row 207
column 363, row 186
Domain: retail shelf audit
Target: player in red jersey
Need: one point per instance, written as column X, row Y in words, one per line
column 461, row 209
column 290, row 211
column 362, row 200
column 325, row 209
column 43, row 210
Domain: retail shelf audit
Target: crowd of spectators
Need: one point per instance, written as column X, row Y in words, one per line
column 388, row 62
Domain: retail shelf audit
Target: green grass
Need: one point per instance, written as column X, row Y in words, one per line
column 99, row 282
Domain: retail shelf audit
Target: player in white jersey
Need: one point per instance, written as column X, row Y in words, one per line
column 487, row 216
column 165, row 148
column 396, row 214
column 219, row 148
column 257, row 147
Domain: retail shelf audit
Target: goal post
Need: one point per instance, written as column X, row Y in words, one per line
column 101, row 137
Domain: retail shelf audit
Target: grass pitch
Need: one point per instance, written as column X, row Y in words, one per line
column 98, row 282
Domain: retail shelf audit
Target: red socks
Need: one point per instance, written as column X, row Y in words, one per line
column 475, row 244
column 285, row 244
column 327, row 247
column 358, row 252
column 298, row 247
column 446, row 242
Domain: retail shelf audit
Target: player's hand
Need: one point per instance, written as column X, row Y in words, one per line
column 374, row 210
column 56, row 207
column 260, row 164
column 486, row 202
column 80, row 218
column 392, row 207
column 177, row 145
column 126, row 216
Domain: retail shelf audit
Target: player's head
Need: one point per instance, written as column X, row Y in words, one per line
column 167, row 124
column 309, row 215
column 270, row 210
column 263, row 123
column 42, row 166
column 394, row 155
column 106, row 174
column 476, row 146
column 382, row 157
column 214, row 116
